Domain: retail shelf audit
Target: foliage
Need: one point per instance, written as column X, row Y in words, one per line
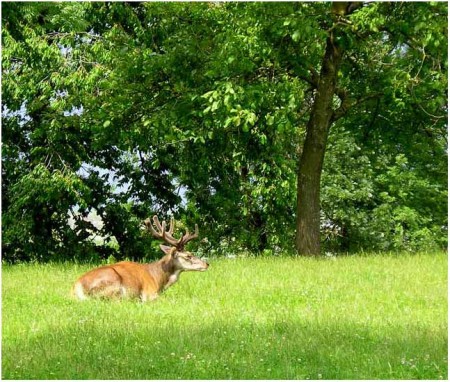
column 199, row 110
column 380, row 200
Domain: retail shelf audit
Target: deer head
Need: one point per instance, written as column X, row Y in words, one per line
column 182, row 260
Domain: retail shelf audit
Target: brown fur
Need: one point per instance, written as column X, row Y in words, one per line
column 130, row 279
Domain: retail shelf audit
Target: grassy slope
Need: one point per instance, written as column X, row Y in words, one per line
column 380, row 317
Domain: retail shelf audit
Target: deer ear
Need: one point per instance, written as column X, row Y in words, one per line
column 166, row 249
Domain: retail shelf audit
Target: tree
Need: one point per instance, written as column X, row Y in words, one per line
column 341, row 40
column 314, row 147
column 222, row 113
column 42, row 148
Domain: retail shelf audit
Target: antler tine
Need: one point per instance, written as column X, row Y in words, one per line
column 188, row 236
column 168, row 236
column 157, row 223
column 149, row 226
column 195, row 231
column 158, row 226
column 171, row 226
column 158, row 230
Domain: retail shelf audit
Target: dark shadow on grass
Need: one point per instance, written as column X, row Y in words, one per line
column 241, row 350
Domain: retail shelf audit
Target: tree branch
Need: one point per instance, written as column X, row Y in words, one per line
column 313, row 80
column 347, row 104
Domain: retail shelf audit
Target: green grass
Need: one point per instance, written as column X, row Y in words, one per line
column 362, row 317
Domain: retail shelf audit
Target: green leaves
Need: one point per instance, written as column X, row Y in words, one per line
column 296, row 36
column 201, row 111
column 36, row 202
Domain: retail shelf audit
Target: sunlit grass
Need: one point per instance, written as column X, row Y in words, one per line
column 371, row 317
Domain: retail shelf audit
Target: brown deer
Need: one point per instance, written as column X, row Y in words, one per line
column 146, row 281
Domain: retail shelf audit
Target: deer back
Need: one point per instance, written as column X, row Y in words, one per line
column 124, row 279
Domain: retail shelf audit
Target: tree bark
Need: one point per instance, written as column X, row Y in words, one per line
column 312, row 156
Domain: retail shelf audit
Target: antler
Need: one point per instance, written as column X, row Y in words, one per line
column 189, row 236
column 161, row 233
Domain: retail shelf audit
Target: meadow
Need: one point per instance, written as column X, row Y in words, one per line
column 350, row 317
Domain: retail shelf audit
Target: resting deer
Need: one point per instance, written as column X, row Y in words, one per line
column 145, row 281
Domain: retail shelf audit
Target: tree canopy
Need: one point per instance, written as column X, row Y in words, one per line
column 202, row 110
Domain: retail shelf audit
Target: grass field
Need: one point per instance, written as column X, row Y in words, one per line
column 361, row 317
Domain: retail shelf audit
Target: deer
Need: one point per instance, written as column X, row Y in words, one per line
column 143, row 281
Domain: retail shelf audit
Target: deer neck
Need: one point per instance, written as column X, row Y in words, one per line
column 165, row 272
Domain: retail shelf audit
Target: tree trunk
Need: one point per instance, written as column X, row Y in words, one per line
column 311, row 160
